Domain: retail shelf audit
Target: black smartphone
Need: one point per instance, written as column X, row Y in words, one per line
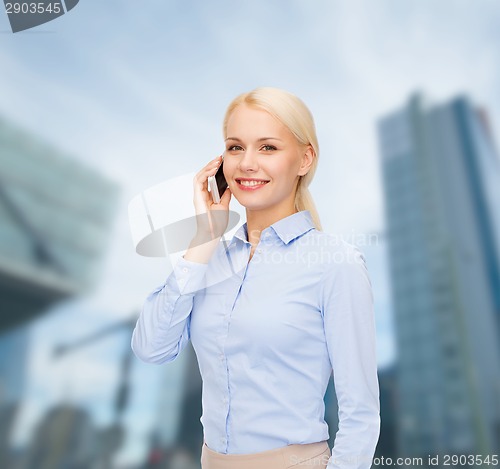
column 218, row 184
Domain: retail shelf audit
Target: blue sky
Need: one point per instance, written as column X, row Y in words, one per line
column 138, row 90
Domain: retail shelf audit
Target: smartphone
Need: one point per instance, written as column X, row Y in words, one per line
column 217, row 184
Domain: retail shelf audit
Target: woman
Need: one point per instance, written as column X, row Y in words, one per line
column 289, row 305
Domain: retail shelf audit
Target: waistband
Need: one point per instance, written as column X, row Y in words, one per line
column 284, row 456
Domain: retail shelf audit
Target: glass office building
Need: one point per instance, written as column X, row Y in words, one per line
column 441, row 177
column 55, row 216
column 55, row 219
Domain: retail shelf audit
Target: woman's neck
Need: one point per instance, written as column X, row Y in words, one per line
column 258, row 221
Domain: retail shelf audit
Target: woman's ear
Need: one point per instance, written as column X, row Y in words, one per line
column 308, row 156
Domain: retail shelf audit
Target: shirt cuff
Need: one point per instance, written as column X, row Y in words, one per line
column 190, row 275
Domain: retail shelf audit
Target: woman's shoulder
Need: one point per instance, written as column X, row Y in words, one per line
column 330, row 243
column 333, row 254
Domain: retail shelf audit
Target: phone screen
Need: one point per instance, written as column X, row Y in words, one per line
column 221, row 180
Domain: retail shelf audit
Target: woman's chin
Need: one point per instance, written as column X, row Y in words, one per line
column 255, row 205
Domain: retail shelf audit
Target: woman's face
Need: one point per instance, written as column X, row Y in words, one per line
column 259, row 147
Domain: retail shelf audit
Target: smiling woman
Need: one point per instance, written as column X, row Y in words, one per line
column 271, row 157
column 254, row 162
column 270, row 136
column 291, row 310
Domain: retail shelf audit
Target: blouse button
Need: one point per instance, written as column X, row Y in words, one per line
column 259, row 250
column 185, row 269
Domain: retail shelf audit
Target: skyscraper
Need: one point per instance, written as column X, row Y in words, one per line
column 55, row 220
column 441, row 177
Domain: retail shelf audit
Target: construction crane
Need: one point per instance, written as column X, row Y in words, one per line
column 112, row 436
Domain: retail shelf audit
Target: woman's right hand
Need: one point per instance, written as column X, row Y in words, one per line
column 211, row 218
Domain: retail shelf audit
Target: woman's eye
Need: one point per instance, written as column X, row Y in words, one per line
column 234, row 148
column 269, row 148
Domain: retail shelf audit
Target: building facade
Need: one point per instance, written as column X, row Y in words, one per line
column 441, row 177
column 55, row 220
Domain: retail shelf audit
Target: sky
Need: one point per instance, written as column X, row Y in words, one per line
column 138, row 91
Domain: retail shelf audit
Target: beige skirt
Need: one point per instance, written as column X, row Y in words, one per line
column 309, row 455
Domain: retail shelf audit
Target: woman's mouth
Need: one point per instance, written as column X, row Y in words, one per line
column 251, row 184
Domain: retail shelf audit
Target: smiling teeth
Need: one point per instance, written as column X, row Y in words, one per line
column 251, row 183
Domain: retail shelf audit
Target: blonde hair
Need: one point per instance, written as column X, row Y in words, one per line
column 294, row 114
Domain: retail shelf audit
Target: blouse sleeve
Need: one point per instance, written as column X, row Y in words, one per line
column 349, row 320
column 163, row 328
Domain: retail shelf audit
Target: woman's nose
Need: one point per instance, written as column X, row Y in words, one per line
column 248, row 161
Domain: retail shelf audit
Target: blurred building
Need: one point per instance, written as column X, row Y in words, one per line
column 55, row 219
column 441, row 177
column 65, row 438
column 177, row 437
column 178, row 432
column 180, row 378
column 14, row 346
column 55, row 216
column 331, row 411
column 386, row 446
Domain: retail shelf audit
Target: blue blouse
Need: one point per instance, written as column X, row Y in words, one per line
column 268, row 333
